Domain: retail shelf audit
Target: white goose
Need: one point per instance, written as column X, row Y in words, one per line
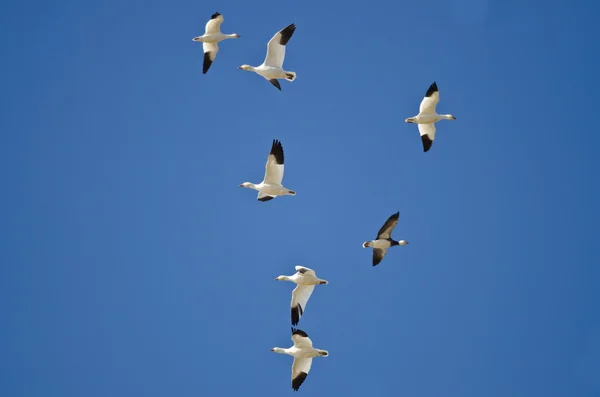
column 272, row 67
column 303, row 353
column 384, row 239
column 212, row 35
column 427, row 116
column 306, row 279
column 271, row 186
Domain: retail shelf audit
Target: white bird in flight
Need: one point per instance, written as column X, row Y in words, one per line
column 272, row 67
column 427, row 116
column 271, row 186
column 212, row 35
column 303, row 353
column 306, row 279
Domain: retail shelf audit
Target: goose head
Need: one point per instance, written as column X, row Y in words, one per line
column 246, row 67
column 246, row 184
column 402, row 242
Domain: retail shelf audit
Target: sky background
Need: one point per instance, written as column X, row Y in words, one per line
column 132, row 264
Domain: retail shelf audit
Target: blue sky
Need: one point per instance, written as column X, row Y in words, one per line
column 133, row 264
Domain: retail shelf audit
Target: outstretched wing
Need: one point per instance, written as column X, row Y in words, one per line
column 276, row 46
column 386, row 230
column 274, row 166
column 210, row 53
column 214, row 25
column 378, row 254
column 301, row 339
column 300, row 369
column 427, row 132
column 431, row 99
column 300, row 296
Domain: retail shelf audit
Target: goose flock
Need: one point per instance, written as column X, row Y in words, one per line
column 271, row 186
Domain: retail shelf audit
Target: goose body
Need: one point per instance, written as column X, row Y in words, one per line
column 428, row 116
column 271, row 186
column 303, row 353
column 272, row 67
column 306, row 279
column 384, row 239
column 212, row 35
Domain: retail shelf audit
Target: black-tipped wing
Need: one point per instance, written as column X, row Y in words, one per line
column 431, row 99
column 275, row 82
column 300, row 296
column 287, row 33
column 210, row 53
column 378, row 255
column 301, row 339
column 299, row 367
column 276, row 46
column 427, row 132
column 213, row 26
column 386, row 230
column 274, row 167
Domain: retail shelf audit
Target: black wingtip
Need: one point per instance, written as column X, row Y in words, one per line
column 432, row 88
column 427, row 142
column 266, row 198
column 286, row 33
column 298, row 380
column 277, row 151
column 296, row 331
column 296, row 314
column 275, row 82
column 213, row 16
column 207, row 63
column 396, row 215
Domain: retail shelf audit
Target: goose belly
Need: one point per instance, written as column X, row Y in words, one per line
column 212, row 38
column 426, row 119
column 381, row 244
column 270, row 72
column 272, row 189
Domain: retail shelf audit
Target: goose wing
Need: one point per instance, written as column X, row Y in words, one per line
column 264, row 197
column 300, row 369
column 301, row 339
column 300, row 296
column 210, row 53
column 274, row 167
column 305, row 270
column 214, row 25
column 378, row 254
column 427, row 132
column 431, row 99
column 386, row 230
column 276, row 46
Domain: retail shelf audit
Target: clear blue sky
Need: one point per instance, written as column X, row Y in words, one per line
column 132, row 264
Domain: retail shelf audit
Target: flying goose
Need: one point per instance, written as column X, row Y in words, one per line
column 427, row 116
column 271, row 186
column 272, row 68
column 384, row 239
column 303, row 353
column 306, row 279
column 212, row 35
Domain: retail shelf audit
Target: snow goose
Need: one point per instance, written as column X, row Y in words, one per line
column 427, row 116
column 271, row 186
column 306, row 279
column 303, row 353
column 272, row 67
column 212, row 35
column 384, row 239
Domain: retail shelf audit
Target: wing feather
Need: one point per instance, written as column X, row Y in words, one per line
column 274, row 166
column 213, row 26
column 427, row 132
column 386, row 230
column 300, row 296
column 276, row 46
column 300, row 370
column 430, row 100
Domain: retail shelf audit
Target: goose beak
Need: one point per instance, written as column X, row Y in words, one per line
column 272, row 350
column 241, row 185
